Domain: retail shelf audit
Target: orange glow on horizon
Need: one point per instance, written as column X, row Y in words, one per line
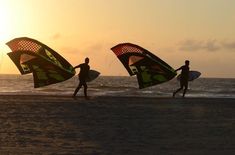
column 172, row 30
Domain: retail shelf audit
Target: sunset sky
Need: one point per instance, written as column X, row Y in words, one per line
column 202, row 31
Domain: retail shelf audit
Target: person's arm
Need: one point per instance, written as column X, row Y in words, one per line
column 178, row 69
column 78, row 66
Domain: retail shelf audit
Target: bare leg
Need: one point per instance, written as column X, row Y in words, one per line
column 77, row 89
column 177, row 91
column 85, row 90
column 185, row 89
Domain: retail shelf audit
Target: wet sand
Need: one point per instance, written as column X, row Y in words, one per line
column 116, row 125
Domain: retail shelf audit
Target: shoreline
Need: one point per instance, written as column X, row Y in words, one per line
column 32, row 124
column 114, row 99
column 108, row 96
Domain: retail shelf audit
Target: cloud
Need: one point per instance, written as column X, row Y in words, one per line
column 197, row 45
column 86, row 50
column 94, row 48
column 56, row 36
column 70, row 50
column 228, row 44
column 206, row 45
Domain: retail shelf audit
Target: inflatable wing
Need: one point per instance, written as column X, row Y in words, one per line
column 32, row 56
column 150, row 69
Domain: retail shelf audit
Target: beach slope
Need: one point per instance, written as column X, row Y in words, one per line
column 116, row 125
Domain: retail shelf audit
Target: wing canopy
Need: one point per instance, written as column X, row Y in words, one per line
column 150, row 69
column 32, row 56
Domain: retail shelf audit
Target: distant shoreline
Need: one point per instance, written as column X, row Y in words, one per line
column 122, row 76
column 110, row 97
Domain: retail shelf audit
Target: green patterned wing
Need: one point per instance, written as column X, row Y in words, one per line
column 149, row 69
column 47, row 66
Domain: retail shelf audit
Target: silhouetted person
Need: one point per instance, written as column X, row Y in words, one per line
column 83, row 75
column 184, row 78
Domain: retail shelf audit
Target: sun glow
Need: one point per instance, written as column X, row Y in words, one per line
column 5, row 25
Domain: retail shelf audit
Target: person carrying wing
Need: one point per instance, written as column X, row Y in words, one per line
column 184, row 78
column 83, row 75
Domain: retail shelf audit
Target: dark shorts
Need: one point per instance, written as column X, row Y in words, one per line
column 184, row 82
column 82, row 81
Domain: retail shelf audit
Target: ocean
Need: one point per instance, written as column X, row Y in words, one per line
column 118, row 86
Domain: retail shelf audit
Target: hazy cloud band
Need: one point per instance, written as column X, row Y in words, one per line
column 210, row 45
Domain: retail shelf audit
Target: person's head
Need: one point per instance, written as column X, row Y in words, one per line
column 87, row 60
column 187, row 62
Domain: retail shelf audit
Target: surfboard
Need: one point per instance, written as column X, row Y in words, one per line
column 93, row 74
column 192, row 75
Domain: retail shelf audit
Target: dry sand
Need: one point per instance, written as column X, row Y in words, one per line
column 116, row 125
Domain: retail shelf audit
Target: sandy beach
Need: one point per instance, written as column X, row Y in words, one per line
column 116, row 125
